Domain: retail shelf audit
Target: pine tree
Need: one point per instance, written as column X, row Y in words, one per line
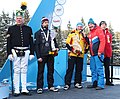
column 5, row 22
column 69, row 27
column 13, row 19
column 82, row 20
column 26, row 17
column 58, row 36
column 86, row 30
column 115, row 47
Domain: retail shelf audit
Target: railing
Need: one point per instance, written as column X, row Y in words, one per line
column 114, row 72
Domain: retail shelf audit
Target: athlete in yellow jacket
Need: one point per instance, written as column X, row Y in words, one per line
column 76, row 43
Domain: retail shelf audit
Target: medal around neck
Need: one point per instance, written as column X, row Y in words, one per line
column 47, row 44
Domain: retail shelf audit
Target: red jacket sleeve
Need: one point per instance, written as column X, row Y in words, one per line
column 111, row 39
column 102, row 40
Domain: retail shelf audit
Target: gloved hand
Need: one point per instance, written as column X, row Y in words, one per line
column 10, row 57
column 78, row 52
column 57, row 49
column 101, row 57
column 73, row 50
column 14, row 54
column 31, row 57
column 40, row 59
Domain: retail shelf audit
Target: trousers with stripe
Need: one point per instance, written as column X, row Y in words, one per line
column 20, row 72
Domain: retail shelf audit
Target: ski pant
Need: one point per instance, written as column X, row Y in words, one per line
column 49, row 61
column 84, row 72
column 96, row 67
column 72, row 61
column 107, row 71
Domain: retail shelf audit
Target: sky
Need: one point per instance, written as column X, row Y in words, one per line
column 74, row 10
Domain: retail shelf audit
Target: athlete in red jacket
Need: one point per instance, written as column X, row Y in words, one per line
column 107, row 51
column 97, row 45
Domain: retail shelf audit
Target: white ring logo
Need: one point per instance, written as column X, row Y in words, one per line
column 59, row 10
column 61, row 1
column 56, row 21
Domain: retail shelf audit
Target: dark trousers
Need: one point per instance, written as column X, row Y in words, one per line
column 76, row 62
column 49, row 60
column 107, row 71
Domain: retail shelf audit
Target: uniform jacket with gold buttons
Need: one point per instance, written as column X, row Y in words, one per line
column 20, row 36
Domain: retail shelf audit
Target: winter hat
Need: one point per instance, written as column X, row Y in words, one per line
column 79, row 24
column 102, row 22
column 91, row 21
column 44, row 19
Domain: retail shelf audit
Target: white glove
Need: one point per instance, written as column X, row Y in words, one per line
column 14, row 54
column 53, row 45
column 31, row 57
column 10, row 57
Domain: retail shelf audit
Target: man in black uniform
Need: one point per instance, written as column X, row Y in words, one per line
column 20, row 49
column 44, row 46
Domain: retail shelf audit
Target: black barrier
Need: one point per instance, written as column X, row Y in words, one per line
column 111, row 76
column 111, row 70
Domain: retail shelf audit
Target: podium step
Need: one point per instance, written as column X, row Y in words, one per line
column 4, row 91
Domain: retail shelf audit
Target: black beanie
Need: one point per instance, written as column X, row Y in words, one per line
column 102, row 22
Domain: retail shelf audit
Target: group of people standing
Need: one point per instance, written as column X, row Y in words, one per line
column 101, row 51
column 99, row 41
column 21, row 47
